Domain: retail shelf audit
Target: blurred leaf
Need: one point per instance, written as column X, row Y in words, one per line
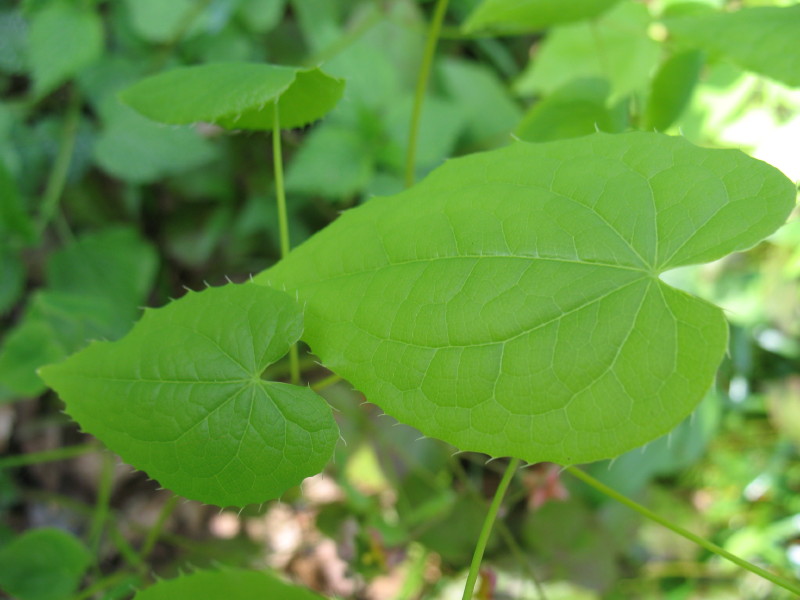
column 573, row 544
column 441, row 124
column 236, row 95
column 578, row 108
column 332, row 162
column 12, row 277
column 13, row 41
column 25, row 348
column 225, row 585
column 161, row 22
column 515, row 16
column 453, row 535
column 14, row 221
column 181, row 397
column 43, row 564
column 261, row 15
column 138, row 150
column 95, row 288
column 616, row 47
column 761, row 39
column 671, row 89
column 64, row 38
column 488, row 110
column 115, row 265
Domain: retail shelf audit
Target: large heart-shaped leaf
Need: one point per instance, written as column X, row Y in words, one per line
column 763, row 39
column 181, row 397
column 236, row 95
column 511, row 303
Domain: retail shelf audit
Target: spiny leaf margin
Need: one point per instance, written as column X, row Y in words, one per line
column 510, row 304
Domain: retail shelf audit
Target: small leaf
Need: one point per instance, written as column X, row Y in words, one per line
column 235, row 95
column 43, row 564
column 763, row 39
column 511, row 303
column 578, row 108
column 64, row 38
column 181, row 397
column 515, row 16
column 160, row 22
column 616, row 47
column 234, row 584
column 138, row 150
column 672, row 89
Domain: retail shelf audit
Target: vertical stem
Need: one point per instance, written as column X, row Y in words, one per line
column 486, row 530
column 700, row 541
column 155, row 531
column 283, row 222
column 422, row 84
column 101, row 508
column 58, row 175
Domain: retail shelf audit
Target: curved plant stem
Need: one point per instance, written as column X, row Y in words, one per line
column 700, row 541
column 486, row 530
column 283, row 223
column 58, row 175
column 502, row 529
column 155, row 531
column 47, row 456
column 422, row 84
column 102, row 505
column 327, row 382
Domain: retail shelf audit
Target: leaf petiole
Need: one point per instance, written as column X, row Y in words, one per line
column 700, row 541
column 486, row 530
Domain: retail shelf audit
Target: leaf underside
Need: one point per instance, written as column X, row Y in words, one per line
column 510, row 304
column 235, row 95
column 181, row 397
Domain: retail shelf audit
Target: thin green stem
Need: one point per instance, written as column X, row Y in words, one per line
column 486, row 530
column 700, row 541
column 283, row 223
column 102, row 505
column 502, row 529
column 58, row 175
column 327, row 382
column 34, row 458
column 155, row 531
column 422, row 84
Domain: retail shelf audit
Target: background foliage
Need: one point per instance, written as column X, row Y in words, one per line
column 103, row 211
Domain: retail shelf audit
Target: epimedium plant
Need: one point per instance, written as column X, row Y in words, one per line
column 510, row 304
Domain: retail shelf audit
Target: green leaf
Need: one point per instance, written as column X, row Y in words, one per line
column 236, row 95
column 490, row 113
column 12, row 278
column 616, row 47
column 181, row 397
column 261, row 15
column 134, row 148
column 515, row 16
column 235, row 584
column 333, row 162
column 578, row 108
column 43, row 564
column 511, row 303
column 94, row 290
column 761, row 39
column 31, row 344
column 64, row 38
column 162, row 22
column 14, row 221
column 672, row 89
